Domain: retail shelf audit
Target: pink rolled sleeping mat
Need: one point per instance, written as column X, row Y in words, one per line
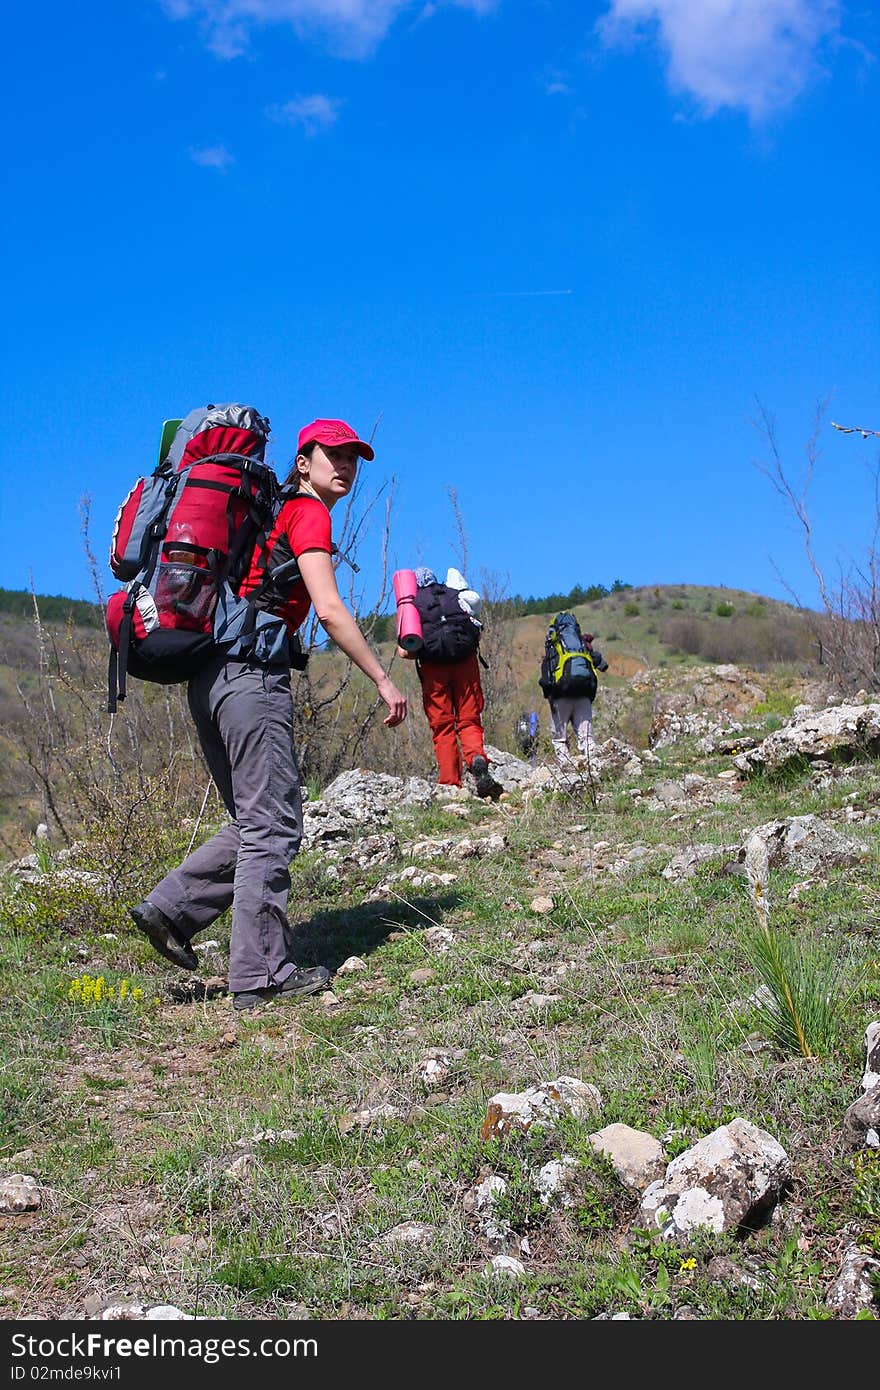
column 409, row 624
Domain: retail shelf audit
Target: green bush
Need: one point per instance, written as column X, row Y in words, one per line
column 779, row 702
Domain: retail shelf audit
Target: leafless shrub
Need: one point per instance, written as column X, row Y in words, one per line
column 75, row 765
column 846, row 631
column 460, row 530
column 747, row 639
column 407, row 750
column 496, row 649
column 685, row 635
column 758, row 643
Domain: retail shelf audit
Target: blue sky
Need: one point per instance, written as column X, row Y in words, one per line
column 558, row 249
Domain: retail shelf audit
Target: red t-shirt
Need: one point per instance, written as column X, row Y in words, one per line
column 303, row 524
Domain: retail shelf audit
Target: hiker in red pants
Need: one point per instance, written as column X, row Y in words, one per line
column 449, row 672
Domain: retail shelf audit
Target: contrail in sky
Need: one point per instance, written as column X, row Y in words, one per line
column 523, row 294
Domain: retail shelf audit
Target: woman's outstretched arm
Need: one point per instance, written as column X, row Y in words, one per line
column 319, row 577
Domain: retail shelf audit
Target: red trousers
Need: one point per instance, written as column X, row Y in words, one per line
column 452, row 697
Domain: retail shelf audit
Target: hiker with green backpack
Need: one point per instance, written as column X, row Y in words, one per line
column 240, row 699
column 569, row 682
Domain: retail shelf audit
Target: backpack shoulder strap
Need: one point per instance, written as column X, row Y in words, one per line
column 336, row 553
column 282, row 576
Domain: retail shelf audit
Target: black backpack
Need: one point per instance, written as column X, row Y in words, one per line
column 568, row 667
column 448, row 633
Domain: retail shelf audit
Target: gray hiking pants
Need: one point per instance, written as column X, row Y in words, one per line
column 576, row 710
column 244, row 719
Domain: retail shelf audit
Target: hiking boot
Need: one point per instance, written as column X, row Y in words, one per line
column 486, row 784
column 301, row 982
column 164, row 936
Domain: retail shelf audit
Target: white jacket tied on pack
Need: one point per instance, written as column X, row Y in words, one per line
column 468, row 598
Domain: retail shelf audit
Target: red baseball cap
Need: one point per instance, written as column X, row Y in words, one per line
column 334, row 433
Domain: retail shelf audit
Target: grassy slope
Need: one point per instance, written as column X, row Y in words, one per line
column 136, row 1115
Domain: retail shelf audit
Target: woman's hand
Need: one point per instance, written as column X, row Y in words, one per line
column 394, row 700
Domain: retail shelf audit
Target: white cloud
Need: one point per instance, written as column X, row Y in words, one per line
column 352, row 27
column 212, row 157
column 314, row 113
column 754, row 55
column 556, row 84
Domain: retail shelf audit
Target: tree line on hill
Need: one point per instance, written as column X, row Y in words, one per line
column 53, row 608
column 557, row 602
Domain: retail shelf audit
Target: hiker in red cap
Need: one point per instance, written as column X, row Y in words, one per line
column 335, row 434
column 244, row 717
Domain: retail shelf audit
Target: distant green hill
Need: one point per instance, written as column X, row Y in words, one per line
column 54, row 608
column 688, row 624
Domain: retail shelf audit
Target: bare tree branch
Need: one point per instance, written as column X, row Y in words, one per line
column 85, row 517
column 460, row 530
column 775, row 472
column 847, row 630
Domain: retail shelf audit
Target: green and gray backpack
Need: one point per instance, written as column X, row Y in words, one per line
column 569, row 664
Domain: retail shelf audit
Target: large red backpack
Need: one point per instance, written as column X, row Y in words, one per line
column 182, row 541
